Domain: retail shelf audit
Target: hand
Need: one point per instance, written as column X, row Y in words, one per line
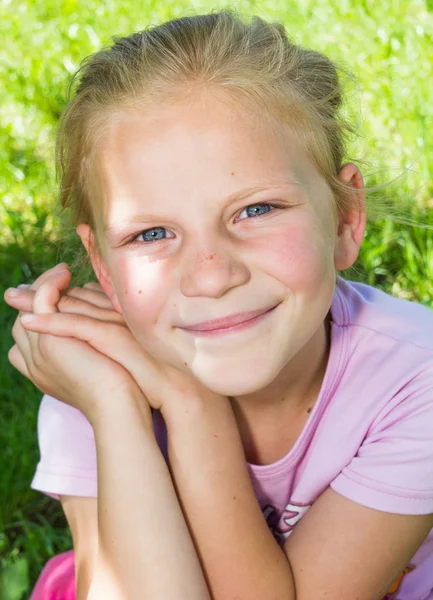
column 105, row 331
column 89, row 300
column 66, row 368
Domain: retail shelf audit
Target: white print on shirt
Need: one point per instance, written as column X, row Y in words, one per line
column 282, row 522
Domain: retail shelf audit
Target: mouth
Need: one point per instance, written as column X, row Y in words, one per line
column 230, row 324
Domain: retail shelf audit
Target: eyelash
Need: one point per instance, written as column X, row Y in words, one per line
column 135, row 240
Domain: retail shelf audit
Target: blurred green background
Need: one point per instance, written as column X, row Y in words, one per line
column 387, row 44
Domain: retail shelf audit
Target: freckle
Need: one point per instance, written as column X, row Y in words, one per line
column 186, row 364
column 234, row 497
column 140, row 291
column 308, row 410
column 232, row 174
column 215, row 435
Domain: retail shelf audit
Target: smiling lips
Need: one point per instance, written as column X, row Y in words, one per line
column 226, row 322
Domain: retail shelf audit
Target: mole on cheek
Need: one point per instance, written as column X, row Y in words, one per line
column 140, row 291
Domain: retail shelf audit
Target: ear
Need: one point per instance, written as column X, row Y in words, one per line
column 99, row 266
column 352, row 222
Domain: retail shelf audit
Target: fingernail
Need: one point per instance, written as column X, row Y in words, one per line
column 12, row 292
column 24, row 285
column 26, row 318
column 57, row 273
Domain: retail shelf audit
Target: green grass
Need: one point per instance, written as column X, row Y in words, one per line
column 389, row 47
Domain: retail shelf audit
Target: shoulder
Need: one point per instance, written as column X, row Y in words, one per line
column 379, row 407
column 357, row 305
column 381, row 368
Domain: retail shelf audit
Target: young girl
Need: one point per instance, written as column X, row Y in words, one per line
column 252, row 425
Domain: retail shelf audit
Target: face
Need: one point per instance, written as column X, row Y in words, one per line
column 183, row 245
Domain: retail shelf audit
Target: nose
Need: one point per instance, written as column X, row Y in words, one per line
column 212, row 271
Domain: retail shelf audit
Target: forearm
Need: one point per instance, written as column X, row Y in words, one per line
column 144, row 544
column 239, row 555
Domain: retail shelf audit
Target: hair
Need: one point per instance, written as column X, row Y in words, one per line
column 252, row 65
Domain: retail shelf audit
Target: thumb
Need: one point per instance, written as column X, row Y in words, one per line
column 48, row 295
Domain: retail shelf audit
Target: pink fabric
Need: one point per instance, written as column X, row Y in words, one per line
column 57, row 580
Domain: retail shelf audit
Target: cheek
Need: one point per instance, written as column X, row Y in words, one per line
column 298, row 256
column 142, row 290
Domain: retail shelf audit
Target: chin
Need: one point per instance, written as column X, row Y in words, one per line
column 236, row 386
column 236, row 377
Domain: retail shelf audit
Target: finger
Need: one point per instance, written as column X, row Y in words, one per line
column 76, row 300
column 22, row 342
column 91, row 295
column 114, row 340
column 92, row 285
column 23, row 300
column 47, row 274
column 19, row 297
column 92, row 304
column 19, row 335
column 11, row 295
column 49, row 292
column 16, row 359
column 45, row 301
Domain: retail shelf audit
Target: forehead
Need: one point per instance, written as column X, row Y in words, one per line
column 204, row 149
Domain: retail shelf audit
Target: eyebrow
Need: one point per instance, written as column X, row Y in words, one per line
column 242, row 194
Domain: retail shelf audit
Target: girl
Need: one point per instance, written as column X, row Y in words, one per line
column 262, row 428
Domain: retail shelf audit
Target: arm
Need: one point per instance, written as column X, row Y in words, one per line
column 239, row 555
column 343, row 549
column 142, row 534
column 340, row 549
column 81, row 514
column 145, row 549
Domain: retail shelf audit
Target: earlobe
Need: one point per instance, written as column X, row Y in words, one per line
column 99, row 266
column 352, row 220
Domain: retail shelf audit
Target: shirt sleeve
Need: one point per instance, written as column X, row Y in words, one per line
column 393, row 468
column 68, row 462
column 68, row 453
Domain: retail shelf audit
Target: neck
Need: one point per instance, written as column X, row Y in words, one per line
column 290, row 396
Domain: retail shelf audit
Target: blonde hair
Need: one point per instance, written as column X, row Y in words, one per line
column 252, row 65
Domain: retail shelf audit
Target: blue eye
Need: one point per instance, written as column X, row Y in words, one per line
column 151, row 235
column 156, row 234
column 257, row 207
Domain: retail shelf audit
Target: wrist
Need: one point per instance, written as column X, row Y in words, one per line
column 129, row 406
column 206, row 411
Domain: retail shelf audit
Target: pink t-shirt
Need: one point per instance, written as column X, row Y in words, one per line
column 369, row 435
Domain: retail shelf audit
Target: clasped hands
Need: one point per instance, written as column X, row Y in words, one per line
column 78, row 349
